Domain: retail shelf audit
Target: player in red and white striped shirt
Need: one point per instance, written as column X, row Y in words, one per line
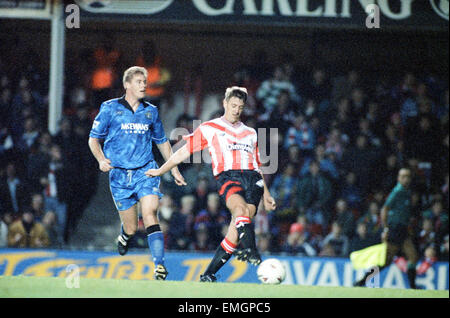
column 233, row 147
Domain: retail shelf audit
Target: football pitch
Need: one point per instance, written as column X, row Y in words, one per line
column 54, row 287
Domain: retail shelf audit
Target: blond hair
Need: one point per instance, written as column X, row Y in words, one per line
column 130, row 72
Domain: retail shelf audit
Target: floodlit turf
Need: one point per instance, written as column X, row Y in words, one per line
column 27, row 286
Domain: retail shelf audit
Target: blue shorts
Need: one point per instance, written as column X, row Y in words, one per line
column 129, row 186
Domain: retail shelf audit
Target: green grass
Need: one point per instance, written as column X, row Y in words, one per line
column 29, row 286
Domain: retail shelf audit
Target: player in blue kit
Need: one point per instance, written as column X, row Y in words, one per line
column 128, row 126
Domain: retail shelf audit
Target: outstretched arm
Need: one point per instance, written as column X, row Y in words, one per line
column 175, row 159
column 268, row 200
column 166, row 151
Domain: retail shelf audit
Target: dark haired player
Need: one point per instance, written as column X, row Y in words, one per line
column 234, row 152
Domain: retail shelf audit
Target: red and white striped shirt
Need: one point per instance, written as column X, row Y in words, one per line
column 232, row 147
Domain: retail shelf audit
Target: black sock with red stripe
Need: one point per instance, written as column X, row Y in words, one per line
column 222, row 255
column 246, row 232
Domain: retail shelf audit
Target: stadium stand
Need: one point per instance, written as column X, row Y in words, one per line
column 342, row 138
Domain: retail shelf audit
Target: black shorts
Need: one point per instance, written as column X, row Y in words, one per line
column 397, row 234
column 247, row 183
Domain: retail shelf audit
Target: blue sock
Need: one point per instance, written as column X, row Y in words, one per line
column 155, row 240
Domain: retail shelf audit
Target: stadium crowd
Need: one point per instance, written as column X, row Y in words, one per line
column 341, row 141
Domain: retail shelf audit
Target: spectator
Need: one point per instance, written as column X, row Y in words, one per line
column 201, row 193
column 387, row 176
column 213, row 217
column 5, row 99
column 406, row 88
column 181, row 224
column 314, row 195
column 263, row 243
column 358, row 103
column 46, row 217
column 202, row 242
column 166, row 207
column 427, row 235
column 338, row 242
column 283, row 113
column 439, row 219
column 293, row 156
column 374, row 117
column 362, row 239
column 335, row 143
column 365, row 129
column 396, row 121
column 302, row 135
column 27, row 232
column 421, row 141
column 343, row 85
column 30, row 135
column 344, row 118
column 296, row 243
column 7, row 144
column 429, row 258
column 323, row 158
column 13, row 192
column 320, row 128
column 443, row 253
column 269, row 90
column 36, row 166
column 45, row 143
column 442, row 108
column 283, row 188
column 310, row 109
column 361, row 160
column 350, row 192
column 23, row 106
column 345, row 218
column 67, row 139
column 318, row 88
column 57, row 188
column 412, row 105
column 372, row 219
column 390, row 138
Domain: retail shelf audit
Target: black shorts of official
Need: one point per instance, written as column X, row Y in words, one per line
column 247, row 183
column 397, row 234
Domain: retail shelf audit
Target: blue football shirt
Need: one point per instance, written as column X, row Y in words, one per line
column 128, row 135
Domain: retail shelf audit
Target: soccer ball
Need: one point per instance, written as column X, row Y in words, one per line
column 271, row 271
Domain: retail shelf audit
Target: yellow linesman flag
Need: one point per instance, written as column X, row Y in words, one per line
column 368, row 257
